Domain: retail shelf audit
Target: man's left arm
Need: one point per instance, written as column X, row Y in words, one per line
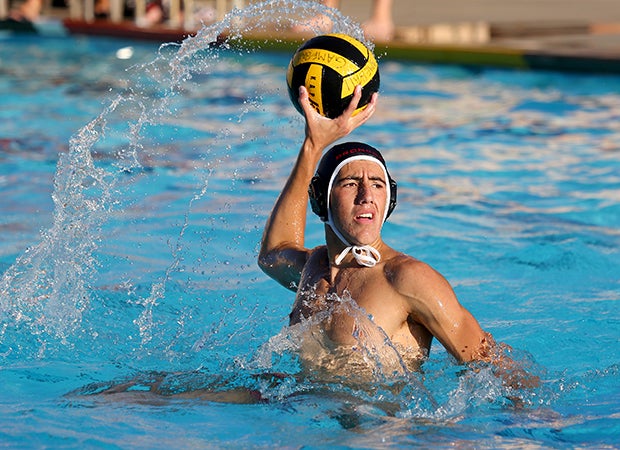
column 434, row 304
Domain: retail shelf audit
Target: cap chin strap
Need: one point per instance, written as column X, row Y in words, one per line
column 365, row 255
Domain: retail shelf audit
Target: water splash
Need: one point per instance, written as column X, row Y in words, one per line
column 381, row 369
column 48, row 288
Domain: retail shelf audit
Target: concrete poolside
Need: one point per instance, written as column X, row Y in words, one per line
column 579, row 35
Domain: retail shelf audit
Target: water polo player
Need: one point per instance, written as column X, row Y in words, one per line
column 352, row 192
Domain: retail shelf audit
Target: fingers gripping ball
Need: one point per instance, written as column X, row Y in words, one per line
column 330, row 66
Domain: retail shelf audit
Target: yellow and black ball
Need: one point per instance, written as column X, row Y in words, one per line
column 330, row 66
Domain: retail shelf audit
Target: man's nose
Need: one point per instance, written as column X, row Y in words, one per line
column 364, row 193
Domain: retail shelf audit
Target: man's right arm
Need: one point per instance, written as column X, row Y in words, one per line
column 283, row 253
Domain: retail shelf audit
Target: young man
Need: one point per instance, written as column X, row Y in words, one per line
column 353, row 193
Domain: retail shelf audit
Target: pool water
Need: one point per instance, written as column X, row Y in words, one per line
column 135, row 182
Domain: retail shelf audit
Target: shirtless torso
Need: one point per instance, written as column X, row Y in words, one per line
column 371, row 289
column 383, row 311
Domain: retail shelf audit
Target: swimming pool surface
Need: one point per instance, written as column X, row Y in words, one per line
column 133, row 195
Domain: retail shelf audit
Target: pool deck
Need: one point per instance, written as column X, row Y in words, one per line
column 571, row 35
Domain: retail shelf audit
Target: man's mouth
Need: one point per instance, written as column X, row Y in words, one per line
column 365, row 216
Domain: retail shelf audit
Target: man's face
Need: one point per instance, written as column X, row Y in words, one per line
column 358, row 201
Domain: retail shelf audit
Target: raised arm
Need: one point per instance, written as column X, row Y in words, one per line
column 283, row 253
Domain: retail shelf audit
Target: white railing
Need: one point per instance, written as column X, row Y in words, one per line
column 85, row 10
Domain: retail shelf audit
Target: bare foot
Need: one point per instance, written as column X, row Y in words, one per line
column 102, row 8
column 28, row 10
column 316, row 25
column 154, row 16
column 376, row 30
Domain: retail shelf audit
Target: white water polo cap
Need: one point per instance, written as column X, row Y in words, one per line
column 321, row 185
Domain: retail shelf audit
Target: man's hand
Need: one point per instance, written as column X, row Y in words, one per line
column 322, row 131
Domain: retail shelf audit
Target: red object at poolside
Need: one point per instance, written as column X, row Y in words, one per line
column 126, row 30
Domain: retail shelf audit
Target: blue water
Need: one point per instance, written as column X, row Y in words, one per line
column 133, row 196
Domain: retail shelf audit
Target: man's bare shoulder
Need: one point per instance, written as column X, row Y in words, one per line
column 412, row 277
column 402, row 266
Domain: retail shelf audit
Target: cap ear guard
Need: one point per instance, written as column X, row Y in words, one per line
column 318, row 197
column 393, row 191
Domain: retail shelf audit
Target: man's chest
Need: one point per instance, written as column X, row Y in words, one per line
column 367, row 289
